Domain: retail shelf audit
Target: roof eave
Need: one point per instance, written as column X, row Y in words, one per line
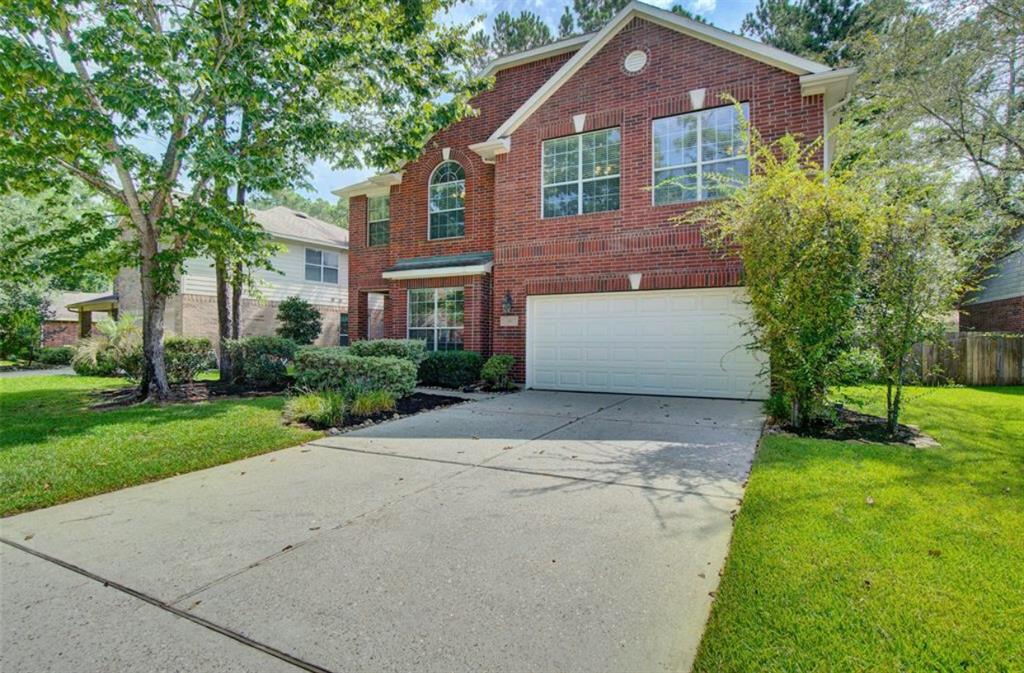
column 378, row 184
column 440, row 272
column 536, row 54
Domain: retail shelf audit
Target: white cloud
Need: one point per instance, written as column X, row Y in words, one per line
column 704, row 5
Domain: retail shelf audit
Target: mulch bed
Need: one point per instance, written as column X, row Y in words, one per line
column 855, row 426
column 198, row 391
column 406, row 406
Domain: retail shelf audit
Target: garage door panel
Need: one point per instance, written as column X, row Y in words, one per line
column 670, row 342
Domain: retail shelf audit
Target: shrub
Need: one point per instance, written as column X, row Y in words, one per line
column 855, row 366
column 262, row 359
column 414, row 350
column 300, row 321
column 60, row 355
column 117, row 349
column 318, row 409
column 372, row 402
column 777, row 406
column 185, row 357
column 451, row 369
column 337, row 369
column 497, row 372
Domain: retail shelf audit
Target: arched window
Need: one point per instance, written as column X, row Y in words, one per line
column 447, row 201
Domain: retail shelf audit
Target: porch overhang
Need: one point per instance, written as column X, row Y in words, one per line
column 471, row 264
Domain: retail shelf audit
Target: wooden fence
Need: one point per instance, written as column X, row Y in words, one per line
column 972, row 359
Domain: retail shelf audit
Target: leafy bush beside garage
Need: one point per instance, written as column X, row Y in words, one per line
column 451, row 369
column 338, row 369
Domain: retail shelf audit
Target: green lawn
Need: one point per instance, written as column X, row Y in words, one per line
column 53, row 448
column 930, row 577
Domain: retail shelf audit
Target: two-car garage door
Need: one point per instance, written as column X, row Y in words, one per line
column 660, row 342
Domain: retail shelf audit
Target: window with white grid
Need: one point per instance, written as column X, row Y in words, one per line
column 581, row 173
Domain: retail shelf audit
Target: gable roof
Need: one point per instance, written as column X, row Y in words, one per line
column 721, row 38
column 293, row 225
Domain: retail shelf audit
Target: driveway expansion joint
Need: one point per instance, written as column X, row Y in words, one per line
column 177, row 612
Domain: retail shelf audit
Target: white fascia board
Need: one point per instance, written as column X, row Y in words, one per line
column 375, row 186
column 489, row 149
column 716, row 36
column 343, row 247
column 840, row 81
column 536, row 54
column 473, row 270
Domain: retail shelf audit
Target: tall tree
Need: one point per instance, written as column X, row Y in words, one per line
column 816, row 29
column 511, row 34
column 84, row 83
column 566, row 23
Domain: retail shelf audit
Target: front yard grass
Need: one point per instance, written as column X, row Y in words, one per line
column 53, row 448
column 864, row 557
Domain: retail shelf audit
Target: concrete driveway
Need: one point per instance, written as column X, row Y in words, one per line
column 529, row 532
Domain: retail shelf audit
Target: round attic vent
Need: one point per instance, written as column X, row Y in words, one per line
column 635, row 60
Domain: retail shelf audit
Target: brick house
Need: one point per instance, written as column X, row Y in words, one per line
column 998, row 306
column 542, row 226
column 311, row 263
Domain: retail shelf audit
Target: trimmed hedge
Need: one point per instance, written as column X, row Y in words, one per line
column 184, row 357
column 451, row 369
column 104, row 366
column 58, row 355
column 337, row 369
column 497, row 372
column 414, row 350
column 262, row 359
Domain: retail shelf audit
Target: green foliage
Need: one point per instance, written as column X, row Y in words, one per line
column 338, row 369
column 318, row 410
column 300, row 321
column 818, row 30
column 371, row 402
column 854, row 367
column 800, row 234
column 497, row 372
column 23, row 308
column 451, row 369
column 55, row 355
column 115, row 351
column 335, row 213
column 262, row 360
column 511, row 34
column 413, row 350
column 185, row 357
column 778, row 406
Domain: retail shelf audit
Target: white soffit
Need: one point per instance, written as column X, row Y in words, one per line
column 376, row 186
column 716, row 36
column 409, row 274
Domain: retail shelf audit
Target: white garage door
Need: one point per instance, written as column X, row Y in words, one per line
column 660, row 342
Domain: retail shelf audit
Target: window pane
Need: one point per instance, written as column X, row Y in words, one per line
column 312, row 256
column 721, row 135
column 312, row 272
column 675, row 185
column 449, row 196
column 447, row 224
column 599, row 195
column 561, row 200
column 331, row 259
column 722, row 177
column 450, row 304
column 421, row 308
column 330, row 275
column 675, row 141
column 380, row 233
column 561, row 160
column 449, row 171
column 379, row 208
column 600, row 154
column 449, row 340
column 425, row 334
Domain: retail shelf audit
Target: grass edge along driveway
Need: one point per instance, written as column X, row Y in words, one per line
column 863, row 557
column 53, row 448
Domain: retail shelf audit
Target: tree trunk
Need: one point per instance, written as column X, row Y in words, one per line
column 796, row 416
column 153, row 383
column 224, row 323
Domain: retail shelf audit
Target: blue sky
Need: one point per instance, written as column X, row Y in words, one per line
column 725, row 14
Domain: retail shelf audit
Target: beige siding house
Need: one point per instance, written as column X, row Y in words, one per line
column 312, row 264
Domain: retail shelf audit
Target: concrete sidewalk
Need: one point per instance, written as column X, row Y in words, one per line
column 528, row 532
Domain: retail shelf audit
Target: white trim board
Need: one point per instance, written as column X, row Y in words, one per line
column 439, row 272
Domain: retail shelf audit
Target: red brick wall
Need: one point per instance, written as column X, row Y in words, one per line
column 1004, row 315
column 583, row 253
column 60, row 333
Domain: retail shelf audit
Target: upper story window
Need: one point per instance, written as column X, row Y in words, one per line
column 581, row 173
column 699, row 155
column 321, row 266
column 378, row 220
column 447, row 201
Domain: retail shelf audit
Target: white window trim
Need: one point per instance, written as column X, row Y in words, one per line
column 579, row 173
column 370, row 222
column 430, row 185
column 699, row 164
column 435, row 329
column 320, row 266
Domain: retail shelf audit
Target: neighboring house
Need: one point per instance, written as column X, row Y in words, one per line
column 534, row 228
column 313, row 265
column 71, row 316
column 999, row 305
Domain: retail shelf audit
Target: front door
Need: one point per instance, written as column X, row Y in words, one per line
column 375, row 315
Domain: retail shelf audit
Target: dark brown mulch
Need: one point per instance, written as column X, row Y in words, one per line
column 198, row 391
column 406, row 406
column 854, row 426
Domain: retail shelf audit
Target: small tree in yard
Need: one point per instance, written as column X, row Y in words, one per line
column 800, row 237
column 300, row 321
